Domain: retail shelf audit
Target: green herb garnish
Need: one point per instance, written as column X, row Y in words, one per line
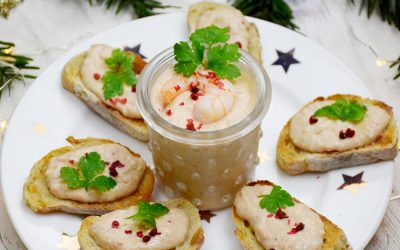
column 220, row 57
column 278, row 198
column 343, row 110
column 90, row 165
column 120, row 73
column 147, row 214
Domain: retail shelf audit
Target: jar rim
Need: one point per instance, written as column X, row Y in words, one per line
column 154, row 120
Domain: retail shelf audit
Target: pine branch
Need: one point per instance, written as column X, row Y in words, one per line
column 389, row 10
column 11, row 66
column 141, row 8
column 396, row 63
column 276, row 11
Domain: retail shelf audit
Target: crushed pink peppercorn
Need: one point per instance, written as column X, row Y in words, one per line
column 115, row 224
column 297, row 228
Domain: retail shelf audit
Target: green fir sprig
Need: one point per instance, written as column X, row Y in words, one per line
column 276, row 11
column 11, row 66
column 141, row 8
column 396, row 64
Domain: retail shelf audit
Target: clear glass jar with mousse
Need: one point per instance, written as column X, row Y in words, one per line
column 205, row 167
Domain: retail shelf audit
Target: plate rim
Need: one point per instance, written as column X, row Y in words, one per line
column 377, row 220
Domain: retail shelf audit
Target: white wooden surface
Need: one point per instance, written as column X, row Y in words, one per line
column 45, row 29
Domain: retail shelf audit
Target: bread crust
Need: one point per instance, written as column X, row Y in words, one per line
column 38, row 197
column 295, row 160
column 334, row 236
column 72, row 81
column 193, row 241
column 195, row 11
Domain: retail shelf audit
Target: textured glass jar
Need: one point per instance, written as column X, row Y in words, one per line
column 205, row 167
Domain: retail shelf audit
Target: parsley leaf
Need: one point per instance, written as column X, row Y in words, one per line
column 210, row 35
column 220, row 55
column 278, row 198
column 147, row 214
column 220, row 60
column 343, row 110
column 120, row 73
column 188, row 58
column 90, row 165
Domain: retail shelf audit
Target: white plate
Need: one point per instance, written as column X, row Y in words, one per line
column 48, row 114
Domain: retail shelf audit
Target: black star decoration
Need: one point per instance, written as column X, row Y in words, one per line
column 135, row 49
column 353, row 183
column 206, row 215
column 285, row 59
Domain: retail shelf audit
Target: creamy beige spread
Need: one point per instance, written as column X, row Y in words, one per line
column 215, row 104
column 94, row 64
column 323, row 136
column 173, row 227
column 272, row 232
column 227, row 17
column 128, row 178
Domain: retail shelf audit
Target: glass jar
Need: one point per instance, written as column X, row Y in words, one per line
column 205, row 167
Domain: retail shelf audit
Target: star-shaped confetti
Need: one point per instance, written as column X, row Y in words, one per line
column 135, row 49
column 206, row 215
column 68, row 242
column 264, row 156
column 39, row 129
column 285, row 59
column 353, row 183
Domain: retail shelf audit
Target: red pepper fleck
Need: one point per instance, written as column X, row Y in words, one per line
column 146, row 238
column 113, row 168
column 350, row 133
column 297, row 228
column 169, row 112
column 212, row 74
column 177, row 87
column 123, row 101
column 313, row 120
column 280, row 214
column 117, row 164
column 194, row 89
column 153, row 232
column 134, row 88
column 239, row 44
column 115, row 224
column 128, row 231
column 190, row 125
column 194, row 97
column 181, row 104
column 139, row 234
column 199, row 126
column 288, row 221
column 270, row 215
column 72, row 162
column 96, row 76
column 342, row 135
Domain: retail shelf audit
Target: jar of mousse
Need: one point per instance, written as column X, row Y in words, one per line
column 204, row 131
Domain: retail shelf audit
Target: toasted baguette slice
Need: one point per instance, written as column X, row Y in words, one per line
column 193, row 241
column 334, row 236
column 38, row 197
column 72, row 81
column 196, row 10
column 295, row 161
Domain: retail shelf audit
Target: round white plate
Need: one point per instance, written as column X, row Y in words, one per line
column 48, row 114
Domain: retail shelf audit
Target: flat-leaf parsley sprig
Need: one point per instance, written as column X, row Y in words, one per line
column 121, row 72
column 343, row 110
column 147, row 214
column 212, row 41
column 90, row 165
column 278, row 198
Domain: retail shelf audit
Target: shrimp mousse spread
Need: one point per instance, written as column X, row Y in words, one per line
column 203, row 102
